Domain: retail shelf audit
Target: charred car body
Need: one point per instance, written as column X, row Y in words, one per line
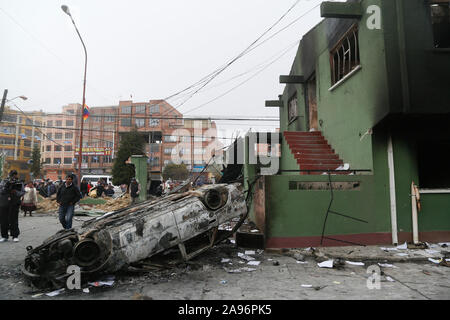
column 118, row 239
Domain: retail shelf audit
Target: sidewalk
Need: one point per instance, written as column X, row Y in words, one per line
column 400, row 253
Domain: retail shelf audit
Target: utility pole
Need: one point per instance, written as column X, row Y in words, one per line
column 3, row 103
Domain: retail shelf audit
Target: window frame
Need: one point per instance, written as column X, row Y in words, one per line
column 336, row 77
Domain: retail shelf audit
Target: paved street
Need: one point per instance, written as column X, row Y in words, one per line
column 278, row 276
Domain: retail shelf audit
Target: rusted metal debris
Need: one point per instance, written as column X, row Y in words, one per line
column 187, row 220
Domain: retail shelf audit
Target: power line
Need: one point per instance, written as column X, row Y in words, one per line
column 207, row 79
column 245, row 81
column 96, row 130
column 125, row 116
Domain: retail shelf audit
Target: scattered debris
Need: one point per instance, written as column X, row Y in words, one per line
column 401, row 254
column 250, row 252
column 254, row 263
column 389, row 279
column 306, row 285
column 388, row 249
column 225, row 260
column 336, row 282
column 403, row 246
column 299, row 257
column 223, row 281
column 434, row 260
column 426, row 272
column 302, row 262
column 86, row 290
column 109, row 243
column 355, row 263
column 55, row 293
column 275, row 263
column 386, row 265
column 101, row 283
column 326, row 264
column 245, row 257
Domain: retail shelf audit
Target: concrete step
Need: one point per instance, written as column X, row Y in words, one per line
column 319, row 162
column 312, row 151
column 309, row 146
column 302, row 133
column 313, row 156
column 306, row 141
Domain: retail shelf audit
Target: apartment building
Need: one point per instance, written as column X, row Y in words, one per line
column 170, row 138
column 19, row 133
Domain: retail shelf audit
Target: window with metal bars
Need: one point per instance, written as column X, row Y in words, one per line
column 440, row 19
column 345, row 55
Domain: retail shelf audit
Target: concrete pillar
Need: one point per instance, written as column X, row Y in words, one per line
column 140, row 167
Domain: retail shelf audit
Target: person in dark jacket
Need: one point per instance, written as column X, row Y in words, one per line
column 83, row 188
column 68, row 195
column 134, row 188
column 11, row 191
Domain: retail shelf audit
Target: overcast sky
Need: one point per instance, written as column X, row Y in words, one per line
column 148, row 49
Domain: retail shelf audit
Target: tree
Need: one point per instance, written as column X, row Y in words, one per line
column 175, row 172
column 132, row 143
column 36, row 165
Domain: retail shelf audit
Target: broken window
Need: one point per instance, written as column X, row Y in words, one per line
column 292, row 109
column 433, row 164
column 440, row 19
column 345, row 55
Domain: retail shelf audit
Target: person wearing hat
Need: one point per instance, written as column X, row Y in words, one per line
column 134, row 188
column 11, row 191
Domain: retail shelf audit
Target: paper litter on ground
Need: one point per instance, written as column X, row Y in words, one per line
column 388, row 249
column 326, row 264
column 355, row 263
column 389, row 279
column 245, row 257
column 249, row 269
column 86, row 290
column 55, row 293
column 225, row 260
column 433, row 260
column 101, row 283
column 401, row 254
column 250, row 252
column 302, row 262
column 403, row 246
column 306, row 285
column 386, row 265
column 254, row 263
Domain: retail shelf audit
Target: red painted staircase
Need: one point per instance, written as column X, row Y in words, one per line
column 312, row 152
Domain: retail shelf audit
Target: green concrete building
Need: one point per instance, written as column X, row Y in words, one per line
column 368, row 91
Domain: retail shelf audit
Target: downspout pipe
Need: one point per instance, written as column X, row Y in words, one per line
column 392, row 193
column 415, row 223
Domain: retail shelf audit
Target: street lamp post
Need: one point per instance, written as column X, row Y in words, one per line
column 80, row 156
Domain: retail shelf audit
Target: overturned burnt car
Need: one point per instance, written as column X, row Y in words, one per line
column 187, row 220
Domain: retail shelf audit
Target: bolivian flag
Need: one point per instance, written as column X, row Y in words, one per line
column 85, row 112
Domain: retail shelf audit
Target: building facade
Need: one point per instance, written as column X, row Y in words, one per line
column 368, row 92
column 19, row 133
column 171, row 139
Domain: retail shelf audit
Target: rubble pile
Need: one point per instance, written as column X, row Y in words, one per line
column 115, row 204
column 47, row 204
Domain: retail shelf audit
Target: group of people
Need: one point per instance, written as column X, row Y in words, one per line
column 14, row 195
column 101, row 188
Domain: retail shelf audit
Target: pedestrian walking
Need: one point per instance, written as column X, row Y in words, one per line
column 30, row 200
column 11, row 191
column 135, row 188
column 68, row 195
column 84, row 188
